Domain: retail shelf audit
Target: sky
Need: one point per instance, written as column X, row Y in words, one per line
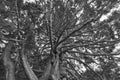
column 106, row 16
column 29, row 0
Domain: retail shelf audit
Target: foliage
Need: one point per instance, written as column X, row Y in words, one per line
column 61, row 39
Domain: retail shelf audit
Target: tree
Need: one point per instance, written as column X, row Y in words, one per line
column 53, row 39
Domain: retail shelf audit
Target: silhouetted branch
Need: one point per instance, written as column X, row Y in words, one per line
column 85, row 65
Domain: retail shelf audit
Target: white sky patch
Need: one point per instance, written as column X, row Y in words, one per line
column 89, row 51
column 94, row 66
column 117, row 48
column 29, row 1
column 2, row 45
column 106, row 16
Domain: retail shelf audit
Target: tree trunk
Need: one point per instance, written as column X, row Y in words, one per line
column 27, row 67
column 47, row 71
column 55, row 70
column 52, row 70
column 9, row 65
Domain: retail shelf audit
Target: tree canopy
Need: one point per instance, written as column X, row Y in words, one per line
column 59, row 40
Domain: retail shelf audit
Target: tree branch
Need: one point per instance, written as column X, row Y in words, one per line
column 83, row 25
column 18, row 13
column 78, row 75
column 85, row 65
column 27, row 67
column 81, row 53
column 50, row 27
column 9, row 65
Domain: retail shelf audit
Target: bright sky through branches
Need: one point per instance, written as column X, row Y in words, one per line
column 29, row 0
column 106, row 16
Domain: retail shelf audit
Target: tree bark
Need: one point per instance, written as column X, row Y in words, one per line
column 47, row 72
column 27, row 67
column 55, row 70
column 9, row 65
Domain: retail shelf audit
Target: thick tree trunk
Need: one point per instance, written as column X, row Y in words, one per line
column 46, row 74
column 27, row 67
column 55, row 71
column 9, row 66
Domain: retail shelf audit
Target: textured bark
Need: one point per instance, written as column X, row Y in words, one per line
column 56, row 73
column 46, row 74
column 28, row 69
column 9, row 66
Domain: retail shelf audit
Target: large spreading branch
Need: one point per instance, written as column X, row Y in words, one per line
column 50, row 26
